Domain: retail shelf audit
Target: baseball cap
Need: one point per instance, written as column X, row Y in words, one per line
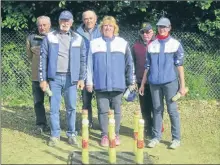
column 145, row 26
column 129, row 95
column 163, row 22
column 66, row 15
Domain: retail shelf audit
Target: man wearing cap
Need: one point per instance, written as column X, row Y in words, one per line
column 164, row 56
column 62, row 65
column 88, row 30
column 109, row 71
column 33, row 43
column 146, row 36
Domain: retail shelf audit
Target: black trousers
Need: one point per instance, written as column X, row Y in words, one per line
column 87, row 103
column 39, row 108
column 146, row 107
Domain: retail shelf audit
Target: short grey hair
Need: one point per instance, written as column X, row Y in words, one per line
column 89, row 11
column 43, row 17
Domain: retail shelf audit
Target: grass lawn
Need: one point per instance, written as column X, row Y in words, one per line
column 200, row 129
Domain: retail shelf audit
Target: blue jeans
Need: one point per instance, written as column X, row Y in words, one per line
column 39, row 109
column 104, row 100
column 62, row 85
column 158, row 92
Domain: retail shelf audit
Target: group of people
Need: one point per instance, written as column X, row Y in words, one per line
column 98, row 61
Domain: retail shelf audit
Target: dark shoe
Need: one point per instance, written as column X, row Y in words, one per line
column 40, row 129
column 72, row 140
column 90, row 125
column 46, row 128
column 53, row 141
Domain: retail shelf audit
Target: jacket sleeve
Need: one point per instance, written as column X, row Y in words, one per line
column 148, row 61
column 43, row 62
column 89, row 70
column 129, row 67
column 28, row 48
column 134, row 57
column 82, row 73
column 179, row 56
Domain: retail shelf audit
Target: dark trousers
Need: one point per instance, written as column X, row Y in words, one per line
column 146, row 107
column 104, row 100
column 87, row 103
column 39, row 109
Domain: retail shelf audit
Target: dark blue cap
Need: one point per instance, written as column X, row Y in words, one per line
column 66, row 15
column 146, row 26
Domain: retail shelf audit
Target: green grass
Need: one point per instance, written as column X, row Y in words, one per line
column 199, row 128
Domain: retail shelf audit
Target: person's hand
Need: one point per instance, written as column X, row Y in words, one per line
column 132, row 87
column 89, row 88
column 183, row 91
column 141, row 90
column 80, row 84
column 43, row 85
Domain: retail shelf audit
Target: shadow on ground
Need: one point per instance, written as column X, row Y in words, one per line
column 22, row 119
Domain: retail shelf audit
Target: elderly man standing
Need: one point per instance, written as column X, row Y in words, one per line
column 146, row 36
column 110, row 70
column 33, row 43
column 62, row 64
column 88, row 30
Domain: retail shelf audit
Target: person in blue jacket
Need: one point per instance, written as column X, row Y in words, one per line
column 88, row 30
column 63, row 66
column 110, row 70
column 164, row 72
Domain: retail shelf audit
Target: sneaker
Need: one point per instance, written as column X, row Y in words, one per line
column 72, row 140
column 117, row 140
column 153, row 143
column 174, row 144
column 105, row 141
column 53, row 141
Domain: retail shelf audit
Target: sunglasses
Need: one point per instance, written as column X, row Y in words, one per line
column 145, row 31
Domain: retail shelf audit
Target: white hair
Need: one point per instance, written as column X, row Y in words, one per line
column 43, row 17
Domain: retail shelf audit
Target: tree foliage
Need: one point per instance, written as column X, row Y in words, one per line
column 185, row 15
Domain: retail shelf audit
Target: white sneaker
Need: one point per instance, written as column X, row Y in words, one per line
column 153, row 143
column 175, row 144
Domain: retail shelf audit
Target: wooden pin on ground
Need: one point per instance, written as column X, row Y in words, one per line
column 135, row 127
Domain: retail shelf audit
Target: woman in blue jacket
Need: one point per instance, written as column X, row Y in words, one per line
column 110, row 70
column 164, row 72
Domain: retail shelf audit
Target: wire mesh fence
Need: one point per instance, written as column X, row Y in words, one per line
column 202, row 64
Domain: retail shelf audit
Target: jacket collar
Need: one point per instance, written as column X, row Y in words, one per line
column 81, row 28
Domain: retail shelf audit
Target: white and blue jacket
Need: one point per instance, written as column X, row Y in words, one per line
column 163, row 57
column 110, row 65
column 49, row 56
